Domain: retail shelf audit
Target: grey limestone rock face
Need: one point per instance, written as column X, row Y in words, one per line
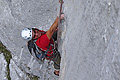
column 3, row 69
column 90, row 50
column 89, row 38
column 16, row 15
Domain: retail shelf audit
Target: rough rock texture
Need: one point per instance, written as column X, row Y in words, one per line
column 3, row 69
column 16, row 15
column 91, row 47
column 89, row 43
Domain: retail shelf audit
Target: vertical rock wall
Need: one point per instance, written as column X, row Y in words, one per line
column 16, row 15
column 90, row 38
column 90, row 50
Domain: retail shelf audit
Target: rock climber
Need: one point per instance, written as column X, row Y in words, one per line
column 44, row 40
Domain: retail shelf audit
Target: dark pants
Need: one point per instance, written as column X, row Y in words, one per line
column 56, row 60
column 57, row 57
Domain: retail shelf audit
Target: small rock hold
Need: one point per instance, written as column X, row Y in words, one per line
column 109, row 3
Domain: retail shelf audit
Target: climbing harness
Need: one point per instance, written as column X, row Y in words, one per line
column 61, row 1
column 39, row 52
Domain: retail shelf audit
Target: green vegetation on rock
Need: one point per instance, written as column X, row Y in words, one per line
column 7, row 56
column 33, row 77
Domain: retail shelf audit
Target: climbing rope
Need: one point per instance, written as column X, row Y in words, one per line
column 61, row 1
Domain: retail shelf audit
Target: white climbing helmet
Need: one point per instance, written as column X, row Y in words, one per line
column 27, row 33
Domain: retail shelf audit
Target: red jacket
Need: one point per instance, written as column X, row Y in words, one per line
column 43, row 43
